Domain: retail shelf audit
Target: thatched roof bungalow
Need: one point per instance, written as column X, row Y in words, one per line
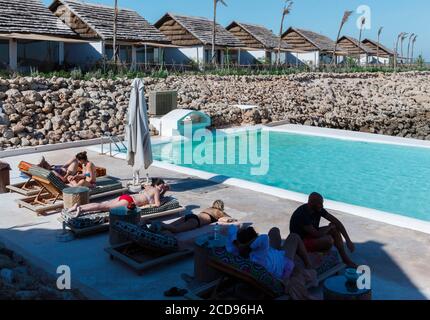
column 30, row 35
column 193, row 36
column 260, row 42
column 375, row 46
column 314, row 47
column 361, row 51
column 95, row 23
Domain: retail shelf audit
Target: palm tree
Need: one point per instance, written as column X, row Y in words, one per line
column 214, row 29
column 397, row 49
column 413, row 47
column 362, row 23
column 345, row 18
column 115, row 22
column 377, row 45
column 409, row 46
column 287, row 9
column 402, row 39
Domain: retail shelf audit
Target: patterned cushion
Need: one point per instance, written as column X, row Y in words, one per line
column 324, row 260
column 88, row 220
column 254, row 270
column 48, row 175
column 146, row 238
column 106, row 184
column 169, row 205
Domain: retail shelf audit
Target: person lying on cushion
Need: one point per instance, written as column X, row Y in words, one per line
column 277, row 259
column 69, row 169
column 192, row 221
column 150, row 196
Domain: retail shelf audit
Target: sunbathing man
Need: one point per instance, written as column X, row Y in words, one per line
column 150, row 196
column 70, row 168
column 278, row 259
column 305, row 221
column 193, row 221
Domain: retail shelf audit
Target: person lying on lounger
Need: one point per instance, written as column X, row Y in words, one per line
column 70, row 168
column 305, row 221
column 269, row 252
column 192, row 221
column 150, row 196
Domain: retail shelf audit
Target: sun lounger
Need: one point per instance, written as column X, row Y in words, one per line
column 50, row 195
column 31, row 187
column 256, row 276
column 145, row 249
column 93, row 223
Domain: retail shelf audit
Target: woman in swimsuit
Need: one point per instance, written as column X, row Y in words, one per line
column 192, row 221
column 88, row 177
column 150, row 196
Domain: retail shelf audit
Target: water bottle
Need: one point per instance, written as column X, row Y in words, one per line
column 216, row 231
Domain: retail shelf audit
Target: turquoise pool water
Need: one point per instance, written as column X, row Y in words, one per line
column 380, row 176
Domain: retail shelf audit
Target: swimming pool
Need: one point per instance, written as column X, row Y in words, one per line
column 386, row 177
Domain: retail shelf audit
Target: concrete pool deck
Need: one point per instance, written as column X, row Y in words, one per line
column 398, row 257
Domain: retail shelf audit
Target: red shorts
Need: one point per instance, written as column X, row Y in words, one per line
column 310, row 244
column 127, row 198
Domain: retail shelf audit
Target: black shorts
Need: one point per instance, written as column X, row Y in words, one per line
column 193, row 216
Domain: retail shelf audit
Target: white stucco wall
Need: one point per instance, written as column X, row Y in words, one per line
column 309, row 58
column 83, row 54
column 183, row 55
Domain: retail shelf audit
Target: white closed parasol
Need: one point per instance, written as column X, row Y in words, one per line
column 138, row 136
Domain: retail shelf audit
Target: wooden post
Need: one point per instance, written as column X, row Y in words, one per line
column 115, row 22
column 61, row 53
column 133, row 57
column 13, row 54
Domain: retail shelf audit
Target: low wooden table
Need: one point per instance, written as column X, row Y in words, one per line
column 202, row 271
column 76, row 195
column 337, row 288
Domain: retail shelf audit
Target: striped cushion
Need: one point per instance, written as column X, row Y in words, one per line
column 48, row 175
column 86, row 221
column 169, row 205
column 146, row 238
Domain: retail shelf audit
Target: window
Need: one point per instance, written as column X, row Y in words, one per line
column 125, row 53
column 4, row 54
column 43, row 55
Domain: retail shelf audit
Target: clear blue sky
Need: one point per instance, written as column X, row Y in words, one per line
column 322, row 16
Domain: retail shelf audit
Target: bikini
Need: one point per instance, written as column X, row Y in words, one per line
column 131, row 201
column 193, row 216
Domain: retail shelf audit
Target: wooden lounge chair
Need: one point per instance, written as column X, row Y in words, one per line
column 145, row 249
column 31, row 187
column 28, row 188
column 50, row 195
column 255, row 276
column 93, row 223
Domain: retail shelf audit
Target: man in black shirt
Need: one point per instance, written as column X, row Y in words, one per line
column 305, row 222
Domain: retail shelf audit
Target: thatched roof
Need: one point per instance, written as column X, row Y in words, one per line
column 183, row 30
column 256, row 36
column 30, row 17
column 309, row 40
column 374, row 45
column 99, row 20
column 353, row 46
